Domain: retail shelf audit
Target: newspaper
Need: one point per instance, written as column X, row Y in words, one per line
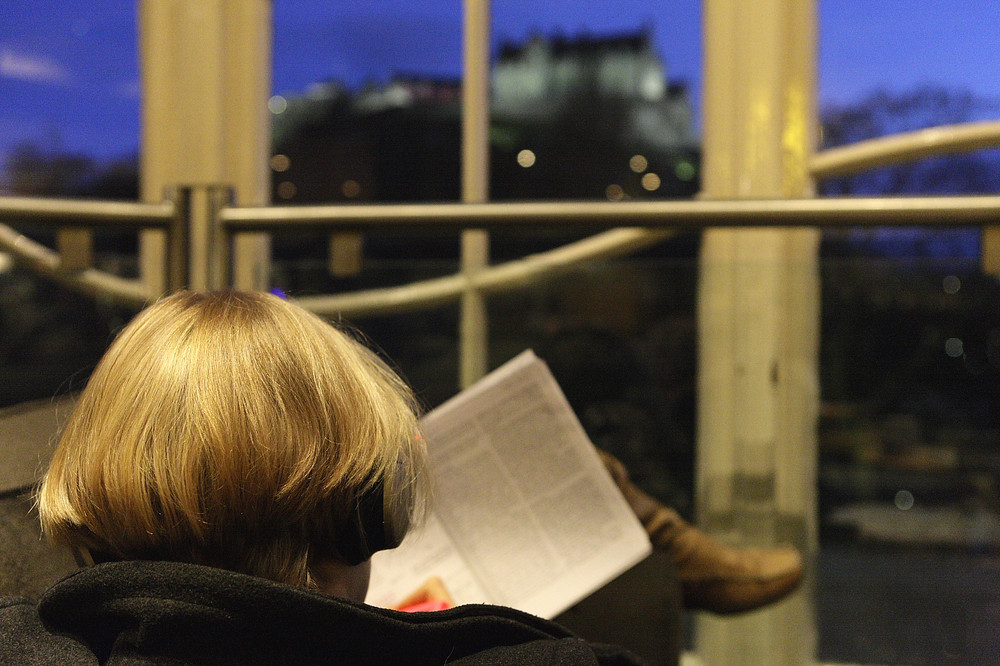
column 523, row 513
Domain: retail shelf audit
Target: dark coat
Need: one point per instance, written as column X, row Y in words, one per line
column 173, row 613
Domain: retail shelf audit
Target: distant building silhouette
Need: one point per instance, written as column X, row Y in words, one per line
column 587, row 117
column 534, row 81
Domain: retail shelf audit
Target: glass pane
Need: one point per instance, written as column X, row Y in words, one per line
column 884, row 45
column 70, row 118
column 50, row 337
column 366, row 104
column 887, row 68
column 597, row 103
column 69, row 126
column 366, row 108
column 907, row 487
column 367, row 101
column 909, row 474
column 621, row 340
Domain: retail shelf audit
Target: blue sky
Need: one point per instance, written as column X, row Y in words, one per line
column 69, row 71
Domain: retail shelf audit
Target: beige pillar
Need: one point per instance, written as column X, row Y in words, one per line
column 473, row 326
column 759, row 314
column 206, row 79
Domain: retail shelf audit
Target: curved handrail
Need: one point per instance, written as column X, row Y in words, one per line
column 951, row 211
column 905, row 147
column 496, row 279
column 518, row 273
column 93, row 282
column 46, row 262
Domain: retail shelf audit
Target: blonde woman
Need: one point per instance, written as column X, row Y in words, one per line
column 230, row 468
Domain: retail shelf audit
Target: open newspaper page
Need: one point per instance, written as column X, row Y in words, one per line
column 524, row 513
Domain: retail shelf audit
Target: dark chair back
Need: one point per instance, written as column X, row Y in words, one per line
column 28, row 433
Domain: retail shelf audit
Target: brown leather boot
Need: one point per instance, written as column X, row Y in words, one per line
column 713, row 576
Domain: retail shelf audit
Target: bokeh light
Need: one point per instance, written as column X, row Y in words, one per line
column 951, row 284
column 351, row 188
column 280, row 162
column 277, row 104
column 953, row 347
column 904, row 500
column 684, row 171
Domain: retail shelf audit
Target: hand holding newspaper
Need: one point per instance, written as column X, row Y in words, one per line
column 523, row 513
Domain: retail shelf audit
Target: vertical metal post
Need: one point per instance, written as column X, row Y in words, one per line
column 758, row 314
column 473, row 327
column 220, row 242
column 178, row 239
column 991, row 249
column 76, row 248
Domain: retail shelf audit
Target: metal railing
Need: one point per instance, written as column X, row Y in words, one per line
column 644, row 222
column 66, row 214
column 904, row 147
column 629, row 226
column 577, row 215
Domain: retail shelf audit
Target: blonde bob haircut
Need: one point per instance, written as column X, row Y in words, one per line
column 234, row 430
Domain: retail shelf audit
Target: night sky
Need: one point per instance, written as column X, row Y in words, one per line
column 69, row 72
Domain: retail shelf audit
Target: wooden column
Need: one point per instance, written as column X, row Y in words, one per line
column 758, row 312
